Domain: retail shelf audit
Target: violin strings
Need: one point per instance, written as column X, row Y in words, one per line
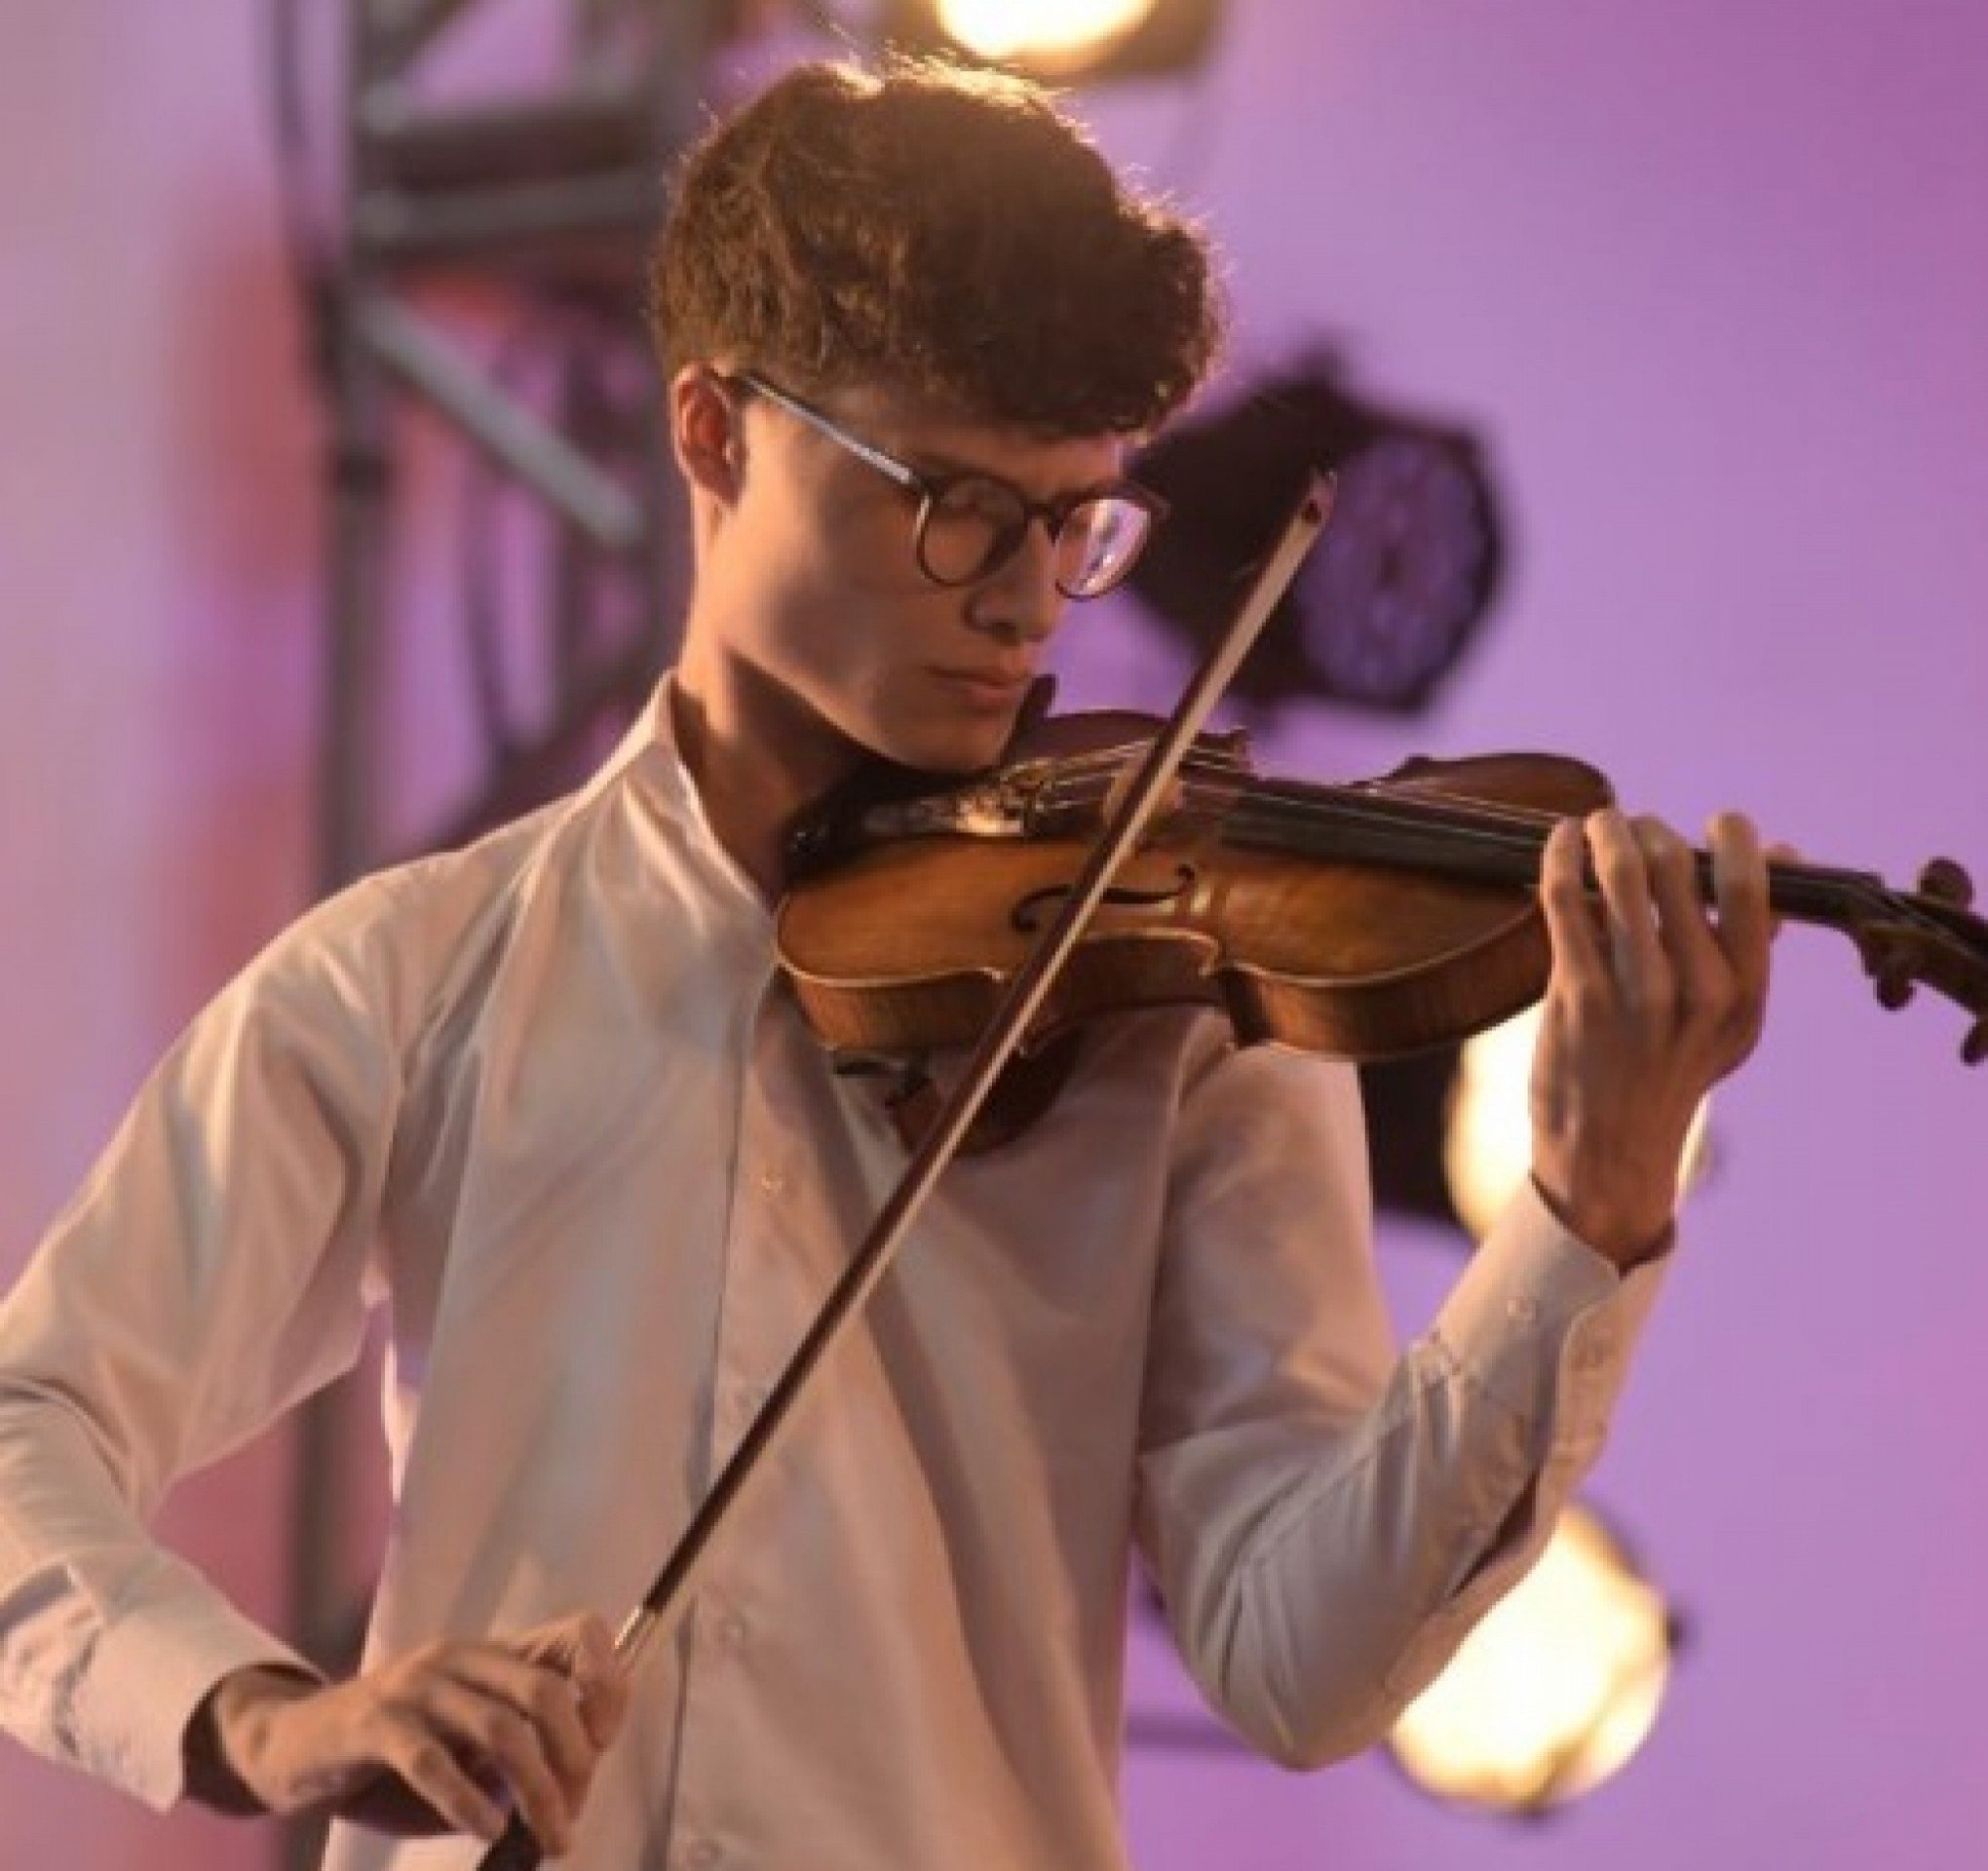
column 1518, row 830
column 1480, row 822
column 1505, row 831
column 1509, row 828
column 1518, row 834
column 1088, row 777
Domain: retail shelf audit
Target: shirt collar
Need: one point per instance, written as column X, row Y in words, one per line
column 649, row 761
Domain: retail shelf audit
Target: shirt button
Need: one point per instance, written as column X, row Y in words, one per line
column 702, row 1855
column 732, row 1632
column 1523, row 1310
column 771, row 1181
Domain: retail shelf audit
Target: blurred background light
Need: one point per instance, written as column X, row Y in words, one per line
column 1075, row 33
column 1554, row 1690
column 1060, row 41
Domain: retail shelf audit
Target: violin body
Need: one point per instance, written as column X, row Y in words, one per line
column 906, row 941
column 1367, row 921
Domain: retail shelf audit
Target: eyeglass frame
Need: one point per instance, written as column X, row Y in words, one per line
column 931, row 489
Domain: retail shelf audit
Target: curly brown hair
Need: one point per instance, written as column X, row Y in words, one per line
column 937, row 229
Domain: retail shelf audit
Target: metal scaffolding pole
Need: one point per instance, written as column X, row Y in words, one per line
column 550, row 200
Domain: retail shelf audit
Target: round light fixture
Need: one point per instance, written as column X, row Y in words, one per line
column 1557, row 1688
column 1049, row 36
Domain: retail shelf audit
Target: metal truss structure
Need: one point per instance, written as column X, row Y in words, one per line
column 542, row 204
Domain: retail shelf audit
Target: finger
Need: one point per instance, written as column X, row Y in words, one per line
column 1705, row 988
column 1641, row 965
column 495, row 1734
column 430, row 1769
column 543, row 1697
column 1570, row 914
column 582, row 1649
column 599, row 1676
column 1739, row 883
column 1776, row 855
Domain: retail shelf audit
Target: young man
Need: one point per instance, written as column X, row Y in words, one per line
column 550, row 1096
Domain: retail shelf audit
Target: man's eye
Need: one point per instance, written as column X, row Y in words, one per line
column 978, row 500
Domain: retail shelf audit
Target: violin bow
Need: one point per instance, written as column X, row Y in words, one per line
column 662, row 1606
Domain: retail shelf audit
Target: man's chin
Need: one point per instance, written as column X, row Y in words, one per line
column 937, row 745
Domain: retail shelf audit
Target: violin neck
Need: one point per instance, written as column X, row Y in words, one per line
column 1454, row 837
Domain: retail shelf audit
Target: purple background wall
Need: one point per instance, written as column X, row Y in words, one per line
column 1714, row 280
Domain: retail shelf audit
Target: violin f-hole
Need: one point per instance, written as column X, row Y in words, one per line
column 1027, row 916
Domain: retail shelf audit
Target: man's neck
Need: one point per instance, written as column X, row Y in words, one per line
column 756, row 758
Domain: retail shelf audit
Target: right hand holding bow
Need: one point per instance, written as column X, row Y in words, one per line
column 445, row 1739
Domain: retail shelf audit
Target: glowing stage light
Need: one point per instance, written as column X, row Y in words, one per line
column 1055, row 33
column 1059, row 41
column 1554, row 1690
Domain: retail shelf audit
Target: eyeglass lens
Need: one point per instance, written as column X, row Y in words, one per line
column 973, row 526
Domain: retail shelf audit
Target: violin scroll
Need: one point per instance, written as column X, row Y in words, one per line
column 1927, row 936
column 1945, row 882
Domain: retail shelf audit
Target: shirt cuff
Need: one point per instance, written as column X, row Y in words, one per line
column 1533, row 1285
column 161, row 1651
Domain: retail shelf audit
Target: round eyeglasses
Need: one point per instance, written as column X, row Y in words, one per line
column 970, row 524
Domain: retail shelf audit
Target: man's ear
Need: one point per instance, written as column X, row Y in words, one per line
column 708, row 432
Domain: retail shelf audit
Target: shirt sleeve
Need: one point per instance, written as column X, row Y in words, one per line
column 210, row 1273
column 1326, row 1519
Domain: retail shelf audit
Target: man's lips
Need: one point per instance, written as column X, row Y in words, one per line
column 989, row 688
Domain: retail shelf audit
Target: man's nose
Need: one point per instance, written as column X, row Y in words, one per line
column 1018, row 602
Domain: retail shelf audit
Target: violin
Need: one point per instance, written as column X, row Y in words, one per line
column 1367, row 921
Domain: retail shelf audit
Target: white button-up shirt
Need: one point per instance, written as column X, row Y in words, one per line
column 551, row 1100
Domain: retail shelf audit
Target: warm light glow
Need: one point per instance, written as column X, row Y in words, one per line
column 1554, row 1691
column 1059, row 34
column 1487, row 1140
